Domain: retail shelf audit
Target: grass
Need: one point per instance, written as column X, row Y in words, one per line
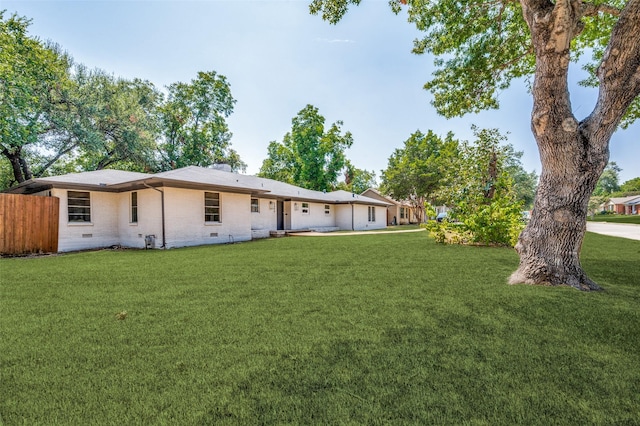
column 385, row 329
column 635, row 219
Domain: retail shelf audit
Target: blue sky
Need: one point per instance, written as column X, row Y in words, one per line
column 278, row 58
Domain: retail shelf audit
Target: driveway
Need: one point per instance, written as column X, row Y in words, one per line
column 623, row 230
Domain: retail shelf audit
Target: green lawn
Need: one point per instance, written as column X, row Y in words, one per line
column 384, row 329
column 616, row 218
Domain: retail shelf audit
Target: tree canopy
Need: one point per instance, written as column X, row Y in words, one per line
column 60, row 117
column 632, row 185
column 609, row 181
column 116, row 120
column 33, row 77
column 309, row 155
column 193, row 120
column 418, row 170
column 480, row 47
column 357, row 180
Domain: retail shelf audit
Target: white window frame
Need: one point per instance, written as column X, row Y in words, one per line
column 212, row 208
column 133, row 207
column 327, row 209
column 75, row 201
column 255, row 207
column 304, row 207
column 371, row 216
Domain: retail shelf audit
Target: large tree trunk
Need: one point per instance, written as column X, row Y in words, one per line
column 573, row 154
column 550, row 245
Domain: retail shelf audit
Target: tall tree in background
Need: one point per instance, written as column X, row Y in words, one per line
column 194, row 124
column 632, row 185
column 481, row 47
column 357, row 180
column 33, row 76
column 609, row 181
column 57, row 118
column 117, row 119
column 309, row 156
column 418, row 170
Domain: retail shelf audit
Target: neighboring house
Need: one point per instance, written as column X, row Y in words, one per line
column 623, row 205
column 192, row 206
column 398, row 212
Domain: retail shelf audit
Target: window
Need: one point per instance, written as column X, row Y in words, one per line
column 327, row 209
column 305, row 208
column 255, row 205
column 403, row 213
column 211, row 207
column 134, row 207
column 79, row 205
column 372, row 214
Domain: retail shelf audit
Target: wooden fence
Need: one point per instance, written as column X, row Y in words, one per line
column 28, row 224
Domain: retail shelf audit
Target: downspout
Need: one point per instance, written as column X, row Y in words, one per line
column 352, row 219
column 164, row 240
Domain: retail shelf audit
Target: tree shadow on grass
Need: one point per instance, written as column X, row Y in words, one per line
column 428, row 375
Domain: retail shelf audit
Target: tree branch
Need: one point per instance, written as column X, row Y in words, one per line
column 590, row 9
column 619, row 72
column 49, row 163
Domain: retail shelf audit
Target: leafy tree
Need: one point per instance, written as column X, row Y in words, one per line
column 54, row 120
column 309, row 156
column 117, row 121
column 632, row 185
column 33, row 76
column 481, row 192
column 194, row 124
column 595, row 203
column 357, row 180
column 480, row 47
column 524, row 185
column 418, row 170
column 6, row 174
column 609, row 180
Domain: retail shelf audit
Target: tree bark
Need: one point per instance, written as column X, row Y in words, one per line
column 21, row 172
column 573, row 154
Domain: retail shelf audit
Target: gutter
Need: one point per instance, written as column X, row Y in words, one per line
column 164, row 240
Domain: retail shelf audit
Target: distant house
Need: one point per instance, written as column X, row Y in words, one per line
column 623, row 205
column 192, row 206
column 398, row 212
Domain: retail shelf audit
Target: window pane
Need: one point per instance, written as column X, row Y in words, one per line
column 78, row 206
column 134, row 207
column 211, row 207
column 79, row 202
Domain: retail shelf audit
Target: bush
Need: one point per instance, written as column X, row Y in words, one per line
column 495, row 224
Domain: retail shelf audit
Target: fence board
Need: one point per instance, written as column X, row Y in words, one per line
column 28, row 224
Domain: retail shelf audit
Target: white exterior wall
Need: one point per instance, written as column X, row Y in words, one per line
column 102, row 231
column 315, row 218
column 343, row 216
column 149, row 218
column 184, row 217
column 361, row 218
column 266, row 218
